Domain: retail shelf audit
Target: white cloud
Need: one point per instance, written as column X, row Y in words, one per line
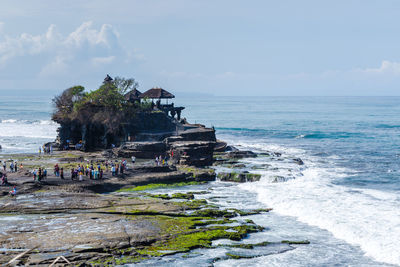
column 96, row 61
column 54, row 54
column 387, row 67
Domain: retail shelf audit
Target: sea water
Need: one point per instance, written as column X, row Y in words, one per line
column 344, row 199
column 349, row 184
column 25, row 121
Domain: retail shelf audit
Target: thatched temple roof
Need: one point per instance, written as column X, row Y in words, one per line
column 133, row 95
column 108, row 79
column 157, row 93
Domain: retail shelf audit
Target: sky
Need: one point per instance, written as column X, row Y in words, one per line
column 218, row 47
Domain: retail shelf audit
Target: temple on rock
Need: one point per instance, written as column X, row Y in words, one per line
column 130, row 123
column 156, row 94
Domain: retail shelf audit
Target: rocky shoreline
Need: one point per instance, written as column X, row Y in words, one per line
column 115, row 220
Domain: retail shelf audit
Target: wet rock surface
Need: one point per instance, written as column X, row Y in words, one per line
column 239, row 177
column 112, row 221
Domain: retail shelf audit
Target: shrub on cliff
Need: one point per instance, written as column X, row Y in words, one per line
column 64, row 103
column 106, row 105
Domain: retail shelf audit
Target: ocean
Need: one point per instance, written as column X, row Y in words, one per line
column 345, row 199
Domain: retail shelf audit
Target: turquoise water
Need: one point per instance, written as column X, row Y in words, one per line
column 348, row 187
column 364, row 132
column 350, row 182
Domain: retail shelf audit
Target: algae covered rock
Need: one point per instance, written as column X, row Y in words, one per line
column 238, row 177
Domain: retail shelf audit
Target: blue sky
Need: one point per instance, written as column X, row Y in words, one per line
column 215, row 47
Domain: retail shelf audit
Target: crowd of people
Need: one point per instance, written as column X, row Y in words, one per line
column 91, row 170
column 13, row 166
column 46, row 149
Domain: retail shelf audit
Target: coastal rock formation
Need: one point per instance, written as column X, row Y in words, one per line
column 238, row 177
column 144, row 149
column 193, row 147
column 130, row 124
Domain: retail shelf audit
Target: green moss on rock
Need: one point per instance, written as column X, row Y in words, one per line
column 157, row 186
column 239, row 177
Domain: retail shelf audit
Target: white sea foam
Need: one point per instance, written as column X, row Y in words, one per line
column 363, row 217
column 37, row 129
column 8, row 121
column 23, row 136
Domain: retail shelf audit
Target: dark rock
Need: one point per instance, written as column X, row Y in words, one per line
column 298, row 161
column 242, row 154
column 141, row 149
column 150, row 169
column 238, row 177
column 199, row 134
column 220, row 146
column 231, row 148
column 193, row 153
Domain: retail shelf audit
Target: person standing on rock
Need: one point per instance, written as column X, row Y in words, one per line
column 113, row 170
column 133, row 160
column 62, row 173
column 56, row 170
column 4, row 165
column 16, row 167
column 12, row 166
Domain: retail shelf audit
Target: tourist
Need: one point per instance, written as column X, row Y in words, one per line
column 72, row 174
column 101, row 174
column 40, row 151
column 12, row 166
column 56, row 170
column 133, row 160
column 13, row 192
column 4, row 180
column 62, row 173
column 40, row 174
column 4, row 165
column 81, row 176
column 156, row 161
column 15, row 167
column 44, row 173
column 34, row 175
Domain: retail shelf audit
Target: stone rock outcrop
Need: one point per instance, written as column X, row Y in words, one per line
column 193, row 147
column 193, row 153
column 239, row 177
column 141, row 149
column 239, row 154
